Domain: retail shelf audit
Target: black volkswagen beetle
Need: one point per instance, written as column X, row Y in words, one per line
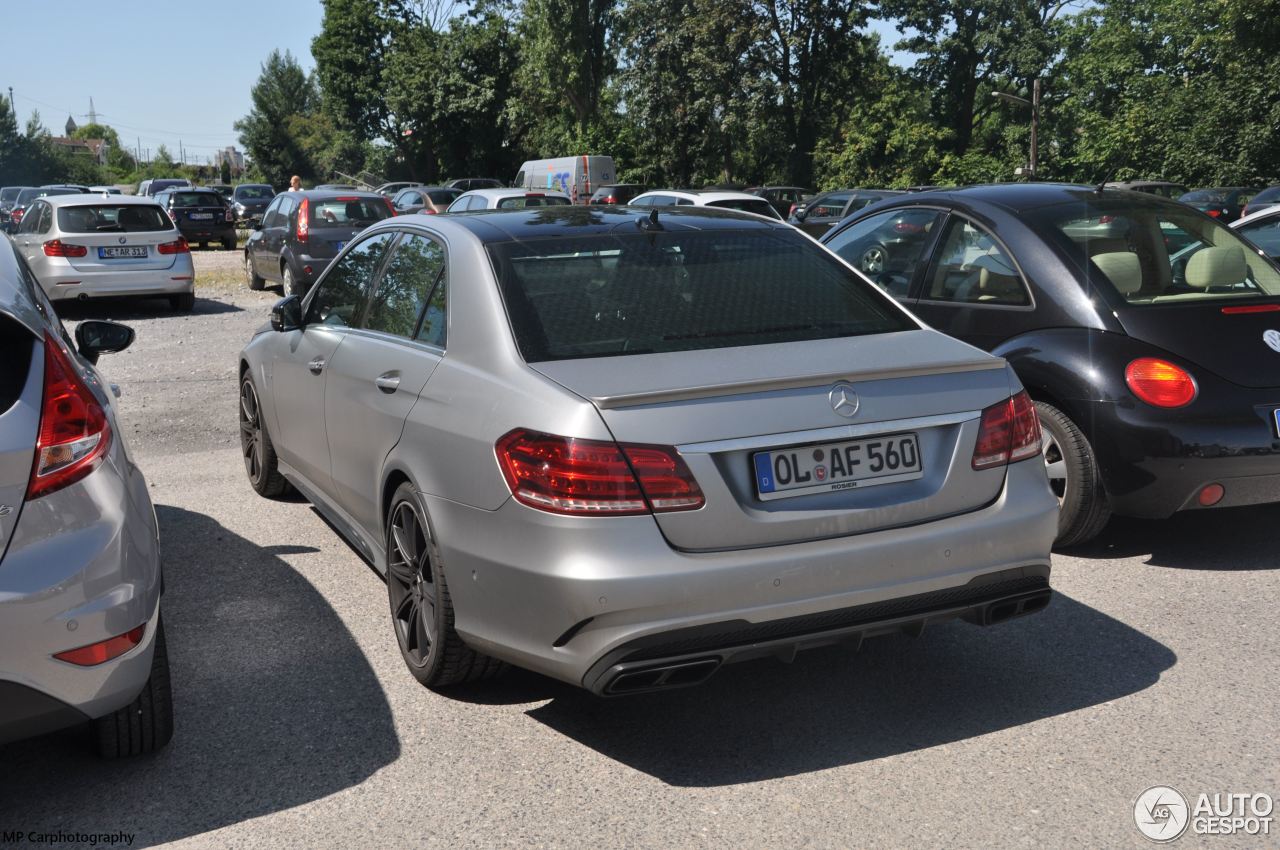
column 1147, row 332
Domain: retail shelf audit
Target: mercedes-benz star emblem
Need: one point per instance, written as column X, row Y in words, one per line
column 844, row 399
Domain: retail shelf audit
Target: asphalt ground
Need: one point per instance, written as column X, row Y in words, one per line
column 298, row 725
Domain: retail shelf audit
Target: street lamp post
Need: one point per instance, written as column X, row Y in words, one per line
column 1034, row 106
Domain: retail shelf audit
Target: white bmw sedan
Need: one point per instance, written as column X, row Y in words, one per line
column 92, row 246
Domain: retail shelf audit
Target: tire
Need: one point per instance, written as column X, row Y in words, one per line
column 260, row 462
column 256, row 283
column 204, row 246
column 229, row 244
column 874, row 260
column 290, row 283
column 146, row 724
column 183, row 303
column 416, row 578
column 1074, row 478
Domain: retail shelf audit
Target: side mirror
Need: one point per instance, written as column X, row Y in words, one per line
column 95, row 337
column 286, row 315
column 801, row 213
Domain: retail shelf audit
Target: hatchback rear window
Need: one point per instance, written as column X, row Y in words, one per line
column 255, row 193
column 347, row 212
column 1158, row 254
column 611, row 295
column 8, row 193
column 443, row 196
column 197, row 199
column 519, row 203
column 760, row 207
column 1205, row 196
column 113, row 218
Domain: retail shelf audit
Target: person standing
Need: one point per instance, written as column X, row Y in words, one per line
column 295, row 183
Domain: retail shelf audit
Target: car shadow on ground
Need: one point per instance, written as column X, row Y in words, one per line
column 1224, row 539
column 125, row 309
column 763, row 720
column 275, row 706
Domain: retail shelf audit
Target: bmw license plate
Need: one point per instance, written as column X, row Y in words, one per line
column 201, row 216
column 133, row 252
column 837, row 466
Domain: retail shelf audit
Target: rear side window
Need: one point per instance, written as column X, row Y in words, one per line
column 831, row 205
column 888, row 247
column 342, row 294
column 113, row 218
column 610, row 295
column 415, row 269
column 972, row 268
column 347, row 212
column 197, row 199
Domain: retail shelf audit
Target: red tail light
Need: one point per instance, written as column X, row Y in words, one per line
column 390, row 206
column 591, row 478
column 1251, row 308
column 104, row 650
column 74, row 434
column 303, row 229
column 1106, row 219
column 178, row 247
column 15, row 215
column 1009, row 432
column 58, row 248
column 1160, row 383
column 1213, row 213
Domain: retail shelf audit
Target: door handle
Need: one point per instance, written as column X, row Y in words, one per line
column 316, row 365
column 388, row 382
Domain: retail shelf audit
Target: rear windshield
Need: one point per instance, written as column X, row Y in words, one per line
column 611, row 295
column 158, row 185
column 1158, row 254
column 519, row 203
column 443, row 196
column 255, row 193
column 1205, row 196
column 760, row 207
column 347, row 212
column 113, row 218
column 197, row 199
column 9, row 193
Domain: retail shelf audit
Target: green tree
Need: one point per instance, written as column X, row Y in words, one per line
column 350, row 54
column 282, row 91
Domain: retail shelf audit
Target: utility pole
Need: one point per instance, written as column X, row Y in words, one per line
column 12, row 108
column 183, row 156
column 1034, row 104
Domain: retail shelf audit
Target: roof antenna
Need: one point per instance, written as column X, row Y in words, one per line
column 1102, row 184
column 651, row 222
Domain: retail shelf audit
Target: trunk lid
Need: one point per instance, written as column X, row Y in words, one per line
column 734, row 411
column 21, row 390
column 1232, row 344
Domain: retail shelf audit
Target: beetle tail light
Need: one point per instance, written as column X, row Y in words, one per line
column 1160, row 383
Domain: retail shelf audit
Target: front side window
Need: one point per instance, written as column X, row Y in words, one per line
column 633, row 293
column 1151, row 254
column 972, row 268
column 888, row 247
column 414, row 270
column 339, row 298
column 1265, row 234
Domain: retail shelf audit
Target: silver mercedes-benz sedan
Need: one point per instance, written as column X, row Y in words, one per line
column 80, row 633
column 622, row 448
column 91, row 246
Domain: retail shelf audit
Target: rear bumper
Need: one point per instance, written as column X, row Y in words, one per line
column 1155, row 463
column 573, row 598
column 83, row 565
column 71, row 283
column 211, row 232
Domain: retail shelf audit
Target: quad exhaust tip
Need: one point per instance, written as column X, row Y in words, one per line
column 662, row 677
column 1007, row 609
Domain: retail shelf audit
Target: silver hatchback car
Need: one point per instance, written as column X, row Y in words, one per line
column 80, row 632
column 91, row 246
column 624, row 448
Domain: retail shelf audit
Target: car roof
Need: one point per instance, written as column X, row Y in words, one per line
column 557, row 222
column 1260, row 215
column 705, row 195
column 510, row 193
column 92, row 199
column 1020, row 197
column 15, row 301
column 328, row 194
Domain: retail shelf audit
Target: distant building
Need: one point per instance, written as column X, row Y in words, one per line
column 233, row 158
column 71, row 126
column 96, row 148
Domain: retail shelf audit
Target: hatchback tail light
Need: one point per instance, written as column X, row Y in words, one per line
column 1213, row 213
column 15, row 215
column 58, row 248
column 178, row 247
column 74, row 434
column 1160, row 383
column 563, row 475
column 1009, row 432
column 390, row 206
column 303, row 228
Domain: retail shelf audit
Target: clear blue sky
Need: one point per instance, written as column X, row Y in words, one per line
column 160, row 72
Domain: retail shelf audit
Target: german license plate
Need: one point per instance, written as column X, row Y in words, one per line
column 126, row 252
column 837, row 466
column 201, row 216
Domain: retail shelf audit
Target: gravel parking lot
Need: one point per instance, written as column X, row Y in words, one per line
column 297, row 724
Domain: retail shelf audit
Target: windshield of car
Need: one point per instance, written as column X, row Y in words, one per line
column 113, row 218
column 8, row 193
column 759, row 207
column 254, row 193
column 1265, row 234
column 523, row 201
column 612, row 295
column 29, row 195
column 197, row 199
column 1152, row 253
column 158, row 185
column 346, row 212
